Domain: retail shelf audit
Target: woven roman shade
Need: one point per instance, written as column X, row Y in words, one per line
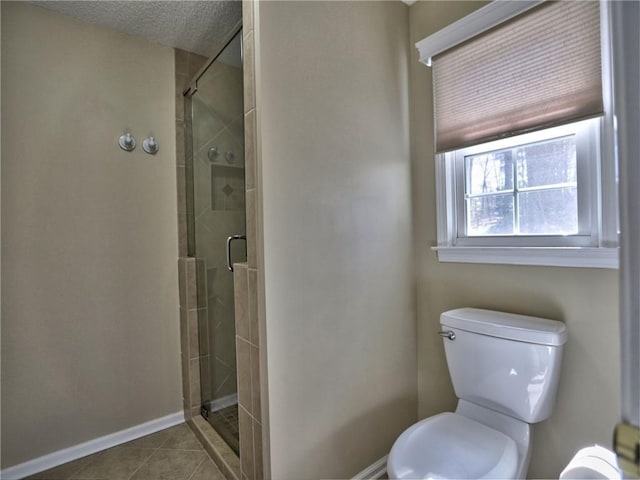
column 537, row 70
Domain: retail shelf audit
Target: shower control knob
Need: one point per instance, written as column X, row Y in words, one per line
column 150, row 145
column 230, row 157
column 213, row 153
column 127, row 142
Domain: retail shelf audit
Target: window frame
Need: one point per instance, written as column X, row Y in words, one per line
column 587, row 159
column 596, row 246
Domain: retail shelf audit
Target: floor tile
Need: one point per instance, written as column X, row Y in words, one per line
column 62, row 472
column 181, row 438
column 207, row 471
column 170, row 465
column 171, row 454
column 117, row 463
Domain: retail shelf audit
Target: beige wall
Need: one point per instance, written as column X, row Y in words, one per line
column 90, row 338
column 332, row 91
column 585, row 299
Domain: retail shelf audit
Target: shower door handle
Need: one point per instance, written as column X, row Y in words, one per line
column 229, row 240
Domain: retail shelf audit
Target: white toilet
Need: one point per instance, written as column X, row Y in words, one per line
column 505, row 370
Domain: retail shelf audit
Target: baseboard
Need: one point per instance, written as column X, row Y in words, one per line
column 54, row 459
column 374, row 471
column 220, row 403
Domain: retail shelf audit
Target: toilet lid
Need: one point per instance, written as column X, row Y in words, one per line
column 448, row 446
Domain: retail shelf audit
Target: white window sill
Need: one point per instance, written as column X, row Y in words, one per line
column 586, row 257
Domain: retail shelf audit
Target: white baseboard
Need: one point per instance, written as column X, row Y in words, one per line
column 54, row 459
column 374, row 471
column 220, row 403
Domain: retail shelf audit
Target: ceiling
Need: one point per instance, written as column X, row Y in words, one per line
column 196, row 26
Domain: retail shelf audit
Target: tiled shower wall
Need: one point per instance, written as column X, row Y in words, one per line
column 187, row 65
column 193, row 314
column 247, row 280
column 249, row 334
column 219, row 204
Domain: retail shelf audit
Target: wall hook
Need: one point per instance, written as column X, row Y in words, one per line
column 127, row 142
column 150, row 145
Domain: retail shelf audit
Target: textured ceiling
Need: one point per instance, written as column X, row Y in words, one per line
column 195, row 26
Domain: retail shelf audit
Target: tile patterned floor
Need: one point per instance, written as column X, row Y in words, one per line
column 225, row 421
column 172, row 454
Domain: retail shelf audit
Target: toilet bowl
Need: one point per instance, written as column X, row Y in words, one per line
column 505, row 372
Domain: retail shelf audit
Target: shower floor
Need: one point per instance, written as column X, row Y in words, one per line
column 225, row 422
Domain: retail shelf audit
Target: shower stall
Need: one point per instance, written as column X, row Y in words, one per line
column 214, row 129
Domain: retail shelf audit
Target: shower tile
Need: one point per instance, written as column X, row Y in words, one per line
column 246, row 443
column 179, row 104
column 251, row 228
column 184, row 331
column 241, row 301
column 182, row 281
column 188, row 415
column 249, row 152
column 170, row 465
column 191, row 284
column 247, row 16
column 257, row 450
column 192, row 333
column 243, row 354
column 188, row 63
column 182, row 235
column 189, row 187
column 194, row 380
column 180, row 143
column 252, row 291
column 248, row 66
column 211, row 278
column 181, row 189
column 203, row 331
column 186, row 378
column 255, row 383
column 201, row 282
column 191, row 236
column 205, row 381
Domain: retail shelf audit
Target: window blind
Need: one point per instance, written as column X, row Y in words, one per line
column 537, row 70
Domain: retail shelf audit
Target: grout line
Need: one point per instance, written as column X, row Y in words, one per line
column 141, row 465
column 198, row 466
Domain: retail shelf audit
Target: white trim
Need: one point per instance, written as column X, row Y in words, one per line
column 60, row 457
column 468, row 27
column 587, row 257
column 374, row 471
column 224, row 402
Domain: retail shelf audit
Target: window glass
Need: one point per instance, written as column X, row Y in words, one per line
column 528, row 189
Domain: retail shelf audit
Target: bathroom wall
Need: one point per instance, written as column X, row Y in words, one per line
column 585, row 299
column 90, row 334
column 334, row 207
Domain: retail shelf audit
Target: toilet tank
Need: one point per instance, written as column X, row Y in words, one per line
column 505, row 362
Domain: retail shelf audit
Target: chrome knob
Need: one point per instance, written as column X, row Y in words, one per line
column 450, row 334
column 127, row 142
column 150, row 145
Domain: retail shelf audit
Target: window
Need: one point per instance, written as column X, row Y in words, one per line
column 524, row 160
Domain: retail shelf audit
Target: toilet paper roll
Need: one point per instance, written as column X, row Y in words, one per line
column 592, row 463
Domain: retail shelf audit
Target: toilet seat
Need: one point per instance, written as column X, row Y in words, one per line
column 450, row 446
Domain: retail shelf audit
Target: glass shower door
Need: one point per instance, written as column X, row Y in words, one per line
column 219, row 212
